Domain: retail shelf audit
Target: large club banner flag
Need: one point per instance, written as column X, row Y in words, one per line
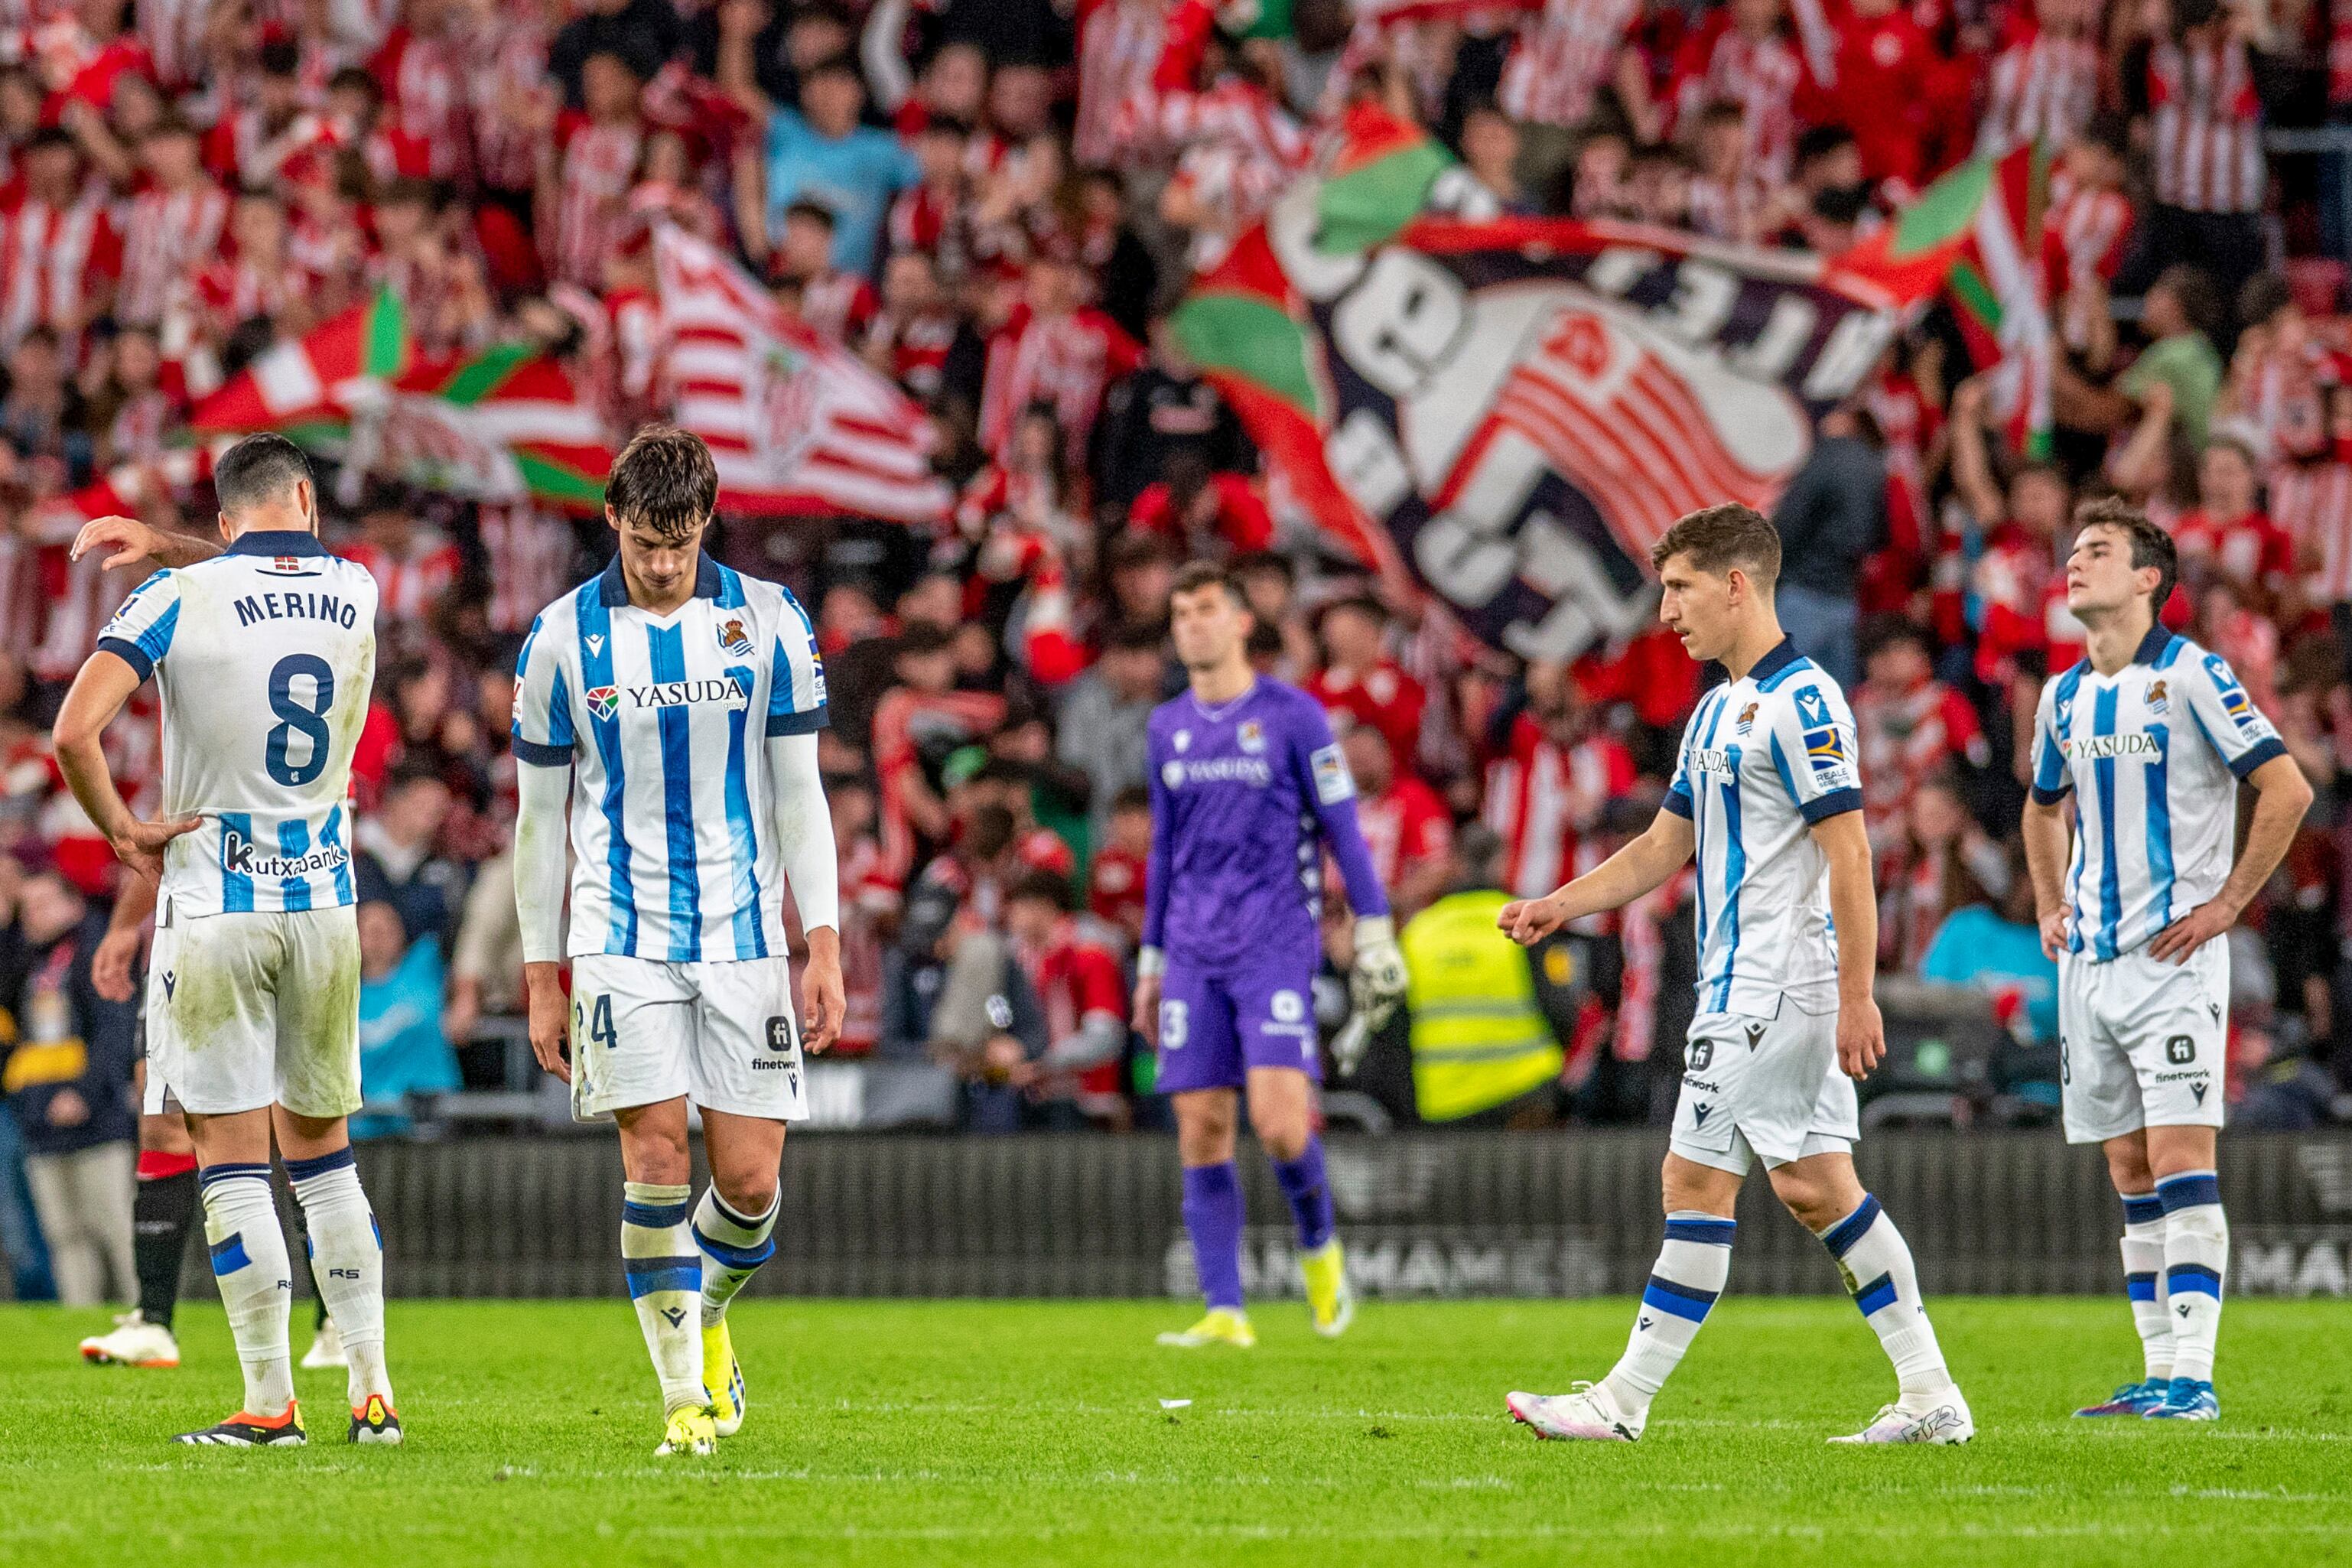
column 1514, row 409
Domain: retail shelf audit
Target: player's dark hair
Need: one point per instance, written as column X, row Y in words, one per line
column 1043, row 886
column 664, row 479
column 2150, row 545
column 258, row 470
column 1195, row 576
column 1718, row 538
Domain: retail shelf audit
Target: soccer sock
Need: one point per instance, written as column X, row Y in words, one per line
column 2143, row 1247
column 733, row 1247
column 665, row 1283
column 1310, row 1193
column 346, row 1264
column 1876, row 1263
column 2196, row 1254
column 162, row 1207
column 1212, row 1218
column 1692, row 1267
column 257, row 1282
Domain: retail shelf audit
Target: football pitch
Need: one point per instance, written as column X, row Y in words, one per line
column 965, row 1432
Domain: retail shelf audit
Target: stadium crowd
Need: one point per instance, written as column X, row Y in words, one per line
column 997, row 202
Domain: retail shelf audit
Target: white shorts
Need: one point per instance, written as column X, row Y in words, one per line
column 1763, row 1085
column 2141, row 1042
column 721, row 1034
column 250, row 1009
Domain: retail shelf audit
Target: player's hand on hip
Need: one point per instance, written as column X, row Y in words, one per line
column 1529, row 921
column 130, row 540
column 550, row 1019
column 822, row 1002
column 2055, row 933
column 1146, row 1018
column 140, row 844
column 111, row 964
column 1861, row 1037
column 2177, row 941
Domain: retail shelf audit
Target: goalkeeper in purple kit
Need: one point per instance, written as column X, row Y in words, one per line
column 1248, row 789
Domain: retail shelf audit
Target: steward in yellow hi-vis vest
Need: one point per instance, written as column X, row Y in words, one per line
column 1483, row 1009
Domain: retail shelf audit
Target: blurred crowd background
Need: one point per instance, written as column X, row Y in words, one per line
column 996, row 204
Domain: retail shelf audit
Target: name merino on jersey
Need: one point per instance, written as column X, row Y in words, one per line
column 1763, row 759
column 2151, row 755
column 265, row 655
column 665, row 720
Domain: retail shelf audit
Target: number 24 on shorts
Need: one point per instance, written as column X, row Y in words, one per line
column 597, row 1015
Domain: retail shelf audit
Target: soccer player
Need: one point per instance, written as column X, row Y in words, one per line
column 2151, row 734
column 670, row 706
column 266, row 653
column 1766, row 791
column 1248, row 788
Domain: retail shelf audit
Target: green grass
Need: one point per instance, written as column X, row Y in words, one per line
column 967, row 1432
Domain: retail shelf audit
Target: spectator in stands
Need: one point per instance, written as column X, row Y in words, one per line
column 1990, row 940
column 1116, row 873
column 820, row 152
column 68, row 1077
column 486, row 965
column 1832, row 514
column 1406, row 825
column 1084, row 997
column 397, row 862
column 1104, row 713
column 1360, row 684
column 403, row 1050
column 1909, row 728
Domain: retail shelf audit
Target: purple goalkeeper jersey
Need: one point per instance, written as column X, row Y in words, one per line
column 1244, row 798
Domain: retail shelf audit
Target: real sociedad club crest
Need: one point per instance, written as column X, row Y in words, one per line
column 2157, row 702
column 603, row 700
column 734, row 638
column 1252, row 736
column 1747, row 720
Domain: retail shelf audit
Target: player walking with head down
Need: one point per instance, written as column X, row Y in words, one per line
column 1766, row 792
column 266, row 653
column 674, row 704
column 1247, row 790
column 2151, row 734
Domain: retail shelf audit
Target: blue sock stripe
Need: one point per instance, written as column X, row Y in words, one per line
column 229, row 1255
column 1841, row 1237
column 2142, row 1208
column 653, row 1216
column 1682, row 1301
column 1877, row 1295
column 2140, row 1287
column 1710, row 1232
column 736, row 1256
column 303, row 1170
column 647, row 1275
column 2187, row 1190
column 2190, row 1279
column 210, row 1173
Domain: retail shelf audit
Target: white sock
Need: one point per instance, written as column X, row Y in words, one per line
column 1692, row 1269
column 732, row 1249
column 1876, row 1263
column 346, row 1265
column 2143, row 1248
column 665, row 1282
column 2196, row 1256
column 257, row 1281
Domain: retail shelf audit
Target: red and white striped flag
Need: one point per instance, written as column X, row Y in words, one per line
column 796, row 425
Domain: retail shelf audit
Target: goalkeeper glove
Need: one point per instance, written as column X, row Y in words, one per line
column 1376, row 984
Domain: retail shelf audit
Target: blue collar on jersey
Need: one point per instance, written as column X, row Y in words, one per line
column 276, row 541
column 2151, row 646
column 612, row 589
column 1784, row 654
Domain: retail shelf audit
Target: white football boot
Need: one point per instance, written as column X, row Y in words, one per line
column 1933, row 1418
column 134, row 1341
column 326, row 1349
column 1587, row 1413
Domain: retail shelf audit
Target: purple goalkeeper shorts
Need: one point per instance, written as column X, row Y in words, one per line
column 1217, row 1024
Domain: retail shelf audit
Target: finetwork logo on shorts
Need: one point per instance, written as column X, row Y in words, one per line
column 241, row 858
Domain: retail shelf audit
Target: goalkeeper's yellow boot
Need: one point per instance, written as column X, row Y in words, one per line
column 1329, row 1297
column 690, row 1429
column 1223, row 1326
column 727, row 1402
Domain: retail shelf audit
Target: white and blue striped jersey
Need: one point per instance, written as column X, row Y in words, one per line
column 665, row 720
column 1763, row 759
column 2152, row 755
column 265, row 657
